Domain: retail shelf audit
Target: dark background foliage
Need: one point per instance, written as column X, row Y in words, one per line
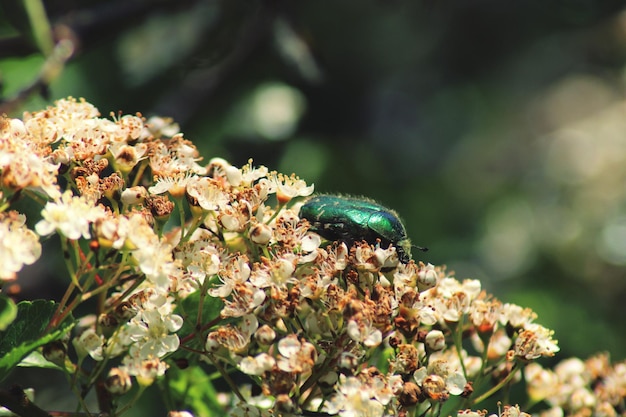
column 494, row 128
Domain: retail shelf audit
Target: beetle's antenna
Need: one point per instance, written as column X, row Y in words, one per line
column 420, row 248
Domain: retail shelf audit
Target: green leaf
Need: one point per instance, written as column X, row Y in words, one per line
column 192, row 389
column 37, row 360
column 28, row 332
column 188, row 309
column 189, row 332
column 8, row 312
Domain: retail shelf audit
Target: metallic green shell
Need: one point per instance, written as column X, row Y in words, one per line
column 351, row 220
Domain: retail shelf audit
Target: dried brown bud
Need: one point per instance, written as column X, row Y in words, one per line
column 160, row 206
column 410, row 394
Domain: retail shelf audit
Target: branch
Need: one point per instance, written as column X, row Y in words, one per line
column 15, row 399
column 50, row 70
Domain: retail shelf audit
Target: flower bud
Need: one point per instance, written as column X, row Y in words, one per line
column 160, row 207
column 427, row 277
column 265, row 335
column 435, row 340
column 260, row 234
column 55, row 352
column 410, row 394
column 212, row 344
column 118, row 382
column 134, row 195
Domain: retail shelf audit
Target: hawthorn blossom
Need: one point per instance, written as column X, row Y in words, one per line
column 353, row 398
column 70, row 215
column 151, row 333
column 19, row 245
column 295, row 355
column 289, row 187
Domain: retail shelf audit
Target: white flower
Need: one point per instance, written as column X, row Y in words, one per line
column 24, row 160
column 237, row 271
column 295, row 355
column 282, row 269
column 435, row 340
column 161, row 126
column 260, row 234
column 541, row 383
column 199, row 255
column 150, row 331
column 89, row 342
column 178, row 156
column 175, row 184
column 535, row 342
column 19, row 246
column 235, row 339
column 207, row 193
column 451, row 377
column 257, row 365
column 354, row 398
column 249, row 174
column 245, row 298
column 427, row 277
column 310, row 242
column 127, row 156
column 364, row 332
column 516, row 316
column 145, row 370
column 155, row 260
column 287, row 188
column 71, row 216
column 112, row 231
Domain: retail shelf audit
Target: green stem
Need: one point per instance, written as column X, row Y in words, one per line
column 233, row 386
column 67, row 257
column 139, row 175
column 181, row 218
column 457, row 337
column 278, row 210
column 40, row 26
column 481, row 373
column 131, row 402
column 4, row 206
column 496, row 387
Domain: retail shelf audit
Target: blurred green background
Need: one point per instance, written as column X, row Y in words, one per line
column 496, row 129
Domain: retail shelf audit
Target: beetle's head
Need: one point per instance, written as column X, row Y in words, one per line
column 403, row 249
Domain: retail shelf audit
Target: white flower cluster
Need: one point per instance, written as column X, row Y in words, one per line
column 213, row 263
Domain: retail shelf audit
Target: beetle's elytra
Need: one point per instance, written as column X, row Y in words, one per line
column 350, row 220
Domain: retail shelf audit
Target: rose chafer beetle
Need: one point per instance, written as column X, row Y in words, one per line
column 350, row 220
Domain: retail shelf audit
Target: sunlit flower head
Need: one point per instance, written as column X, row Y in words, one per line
column 71, row 216
column 19, row 245
column 535, row 342
column 146, row 370
column 289, row 187
column 353, row 398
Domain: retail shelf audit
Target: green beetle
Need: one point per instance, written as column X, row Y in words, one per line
column 350, row 220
